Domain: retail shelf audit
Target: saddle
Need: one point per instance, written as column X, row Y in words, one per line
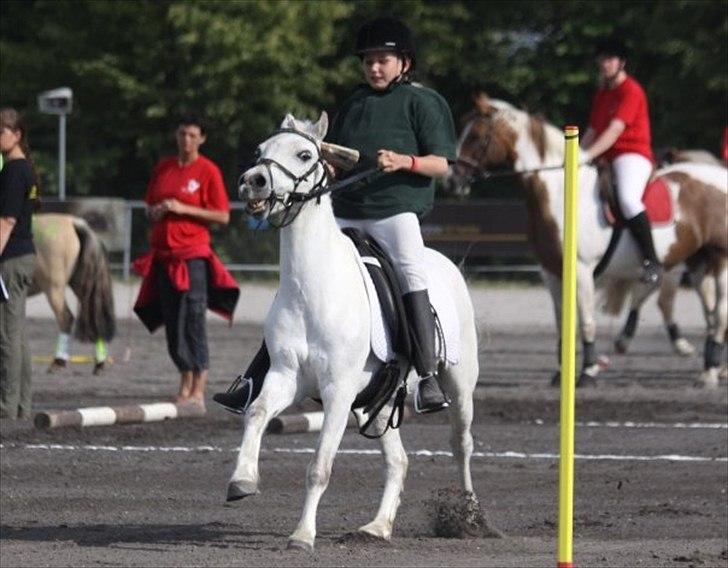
column 656, row 199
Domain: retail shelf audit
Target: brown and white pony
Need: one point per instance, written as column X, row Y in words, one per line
column 69, row 253
column 499, row 135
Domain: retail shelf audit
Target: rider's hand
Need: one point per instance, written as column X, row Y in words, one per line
column 585, row 158
column 389, row 161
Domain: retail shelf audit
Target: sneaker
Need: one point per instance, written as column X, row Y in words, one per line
column 238, row 396
column 429, row 396
column 651, row 273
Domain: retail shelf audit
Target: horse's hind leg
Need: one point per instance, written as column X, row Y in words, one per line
column 715, row 344
column 336, row 413
column 395, row 471
column 278, row 392
column 666, row 303
column 56, row 294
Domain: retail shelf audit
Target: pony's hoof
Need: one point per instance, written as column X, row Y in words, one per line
column 99, row 367
column 294, row 544
column 556, row 379
column 57, row 365
column 373, row 532
column 708, row 379
column 586, row 380
column 683, row 347
column 621, row 345
column 237, row 490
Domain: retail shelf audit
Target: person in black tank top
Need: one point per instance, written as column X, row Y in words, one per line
column 18, row 197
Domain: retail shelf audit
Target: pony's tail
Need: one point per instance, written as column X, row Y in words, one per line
column 615, row 295
column 92, row 283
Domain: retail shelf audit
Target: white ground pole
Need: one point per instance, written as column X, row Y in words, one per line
column 107, row 415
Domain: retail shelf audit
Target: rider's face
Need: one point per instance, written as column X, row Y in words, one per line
column 381, row 67
column 609, row 67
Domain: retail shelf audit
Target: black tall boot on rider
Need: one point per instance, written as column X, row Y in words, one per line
column 246, row 388
column 429, row 396
column 639, row 226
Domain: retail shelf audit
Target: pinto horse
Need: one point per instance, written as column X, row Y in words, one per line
column 69, row 253
column 499, row 135
column 318, row 330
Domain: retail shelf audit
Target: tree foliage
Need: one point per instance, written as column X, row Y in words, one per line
column 134, row 66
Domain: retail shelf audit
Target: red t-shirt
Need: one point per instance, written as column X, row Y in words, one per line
column 199, row 184
column 628, row 103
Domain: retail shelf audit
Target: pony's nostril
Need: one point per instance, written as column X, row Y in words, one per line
column 257, row 180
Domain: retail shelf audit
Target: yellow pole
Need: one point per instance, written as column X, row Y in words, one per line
column 568, row 350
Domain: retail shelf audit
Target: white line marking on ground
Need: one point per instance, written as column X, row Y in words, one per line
column 416, row 453
column 678, row 425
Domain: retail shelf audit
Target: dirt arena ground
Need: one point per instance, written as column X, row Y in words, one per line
column 651, row 471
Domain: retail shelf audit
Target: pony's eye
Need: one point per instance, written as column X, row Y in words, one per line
column 304, row 155
column 257, row 154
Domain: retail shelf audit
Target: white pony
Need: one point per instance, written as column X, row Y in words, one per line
column 501, row 135
column 318, row 330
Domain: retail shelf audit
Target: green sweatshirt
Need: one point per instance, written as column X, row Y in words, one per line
column 407, row 119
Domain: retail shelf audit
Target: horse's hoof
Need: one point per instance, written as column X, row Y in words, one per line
column 372, row 532
column 586, row 380
column 237, row 490
column 683, row 347
column 708, row 379
column 57, row 365
column 294, row 544
column 621, row 345
column 99, row 367
column 556, row 379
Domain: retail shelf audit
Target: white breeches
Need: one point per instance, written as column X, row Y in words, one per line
column 631, row 174
column 401, row 238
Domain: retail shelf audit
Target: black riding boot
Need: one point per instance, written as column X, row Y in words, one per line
column 246, row 387
column 429, row 396
column 639, row 226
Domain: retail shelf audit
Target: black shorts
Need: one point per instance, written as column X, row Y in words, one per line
column 184, row 317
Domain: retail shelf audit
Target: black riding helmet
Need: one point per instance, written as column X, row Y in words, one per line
column 611, row 47
column 386, row 34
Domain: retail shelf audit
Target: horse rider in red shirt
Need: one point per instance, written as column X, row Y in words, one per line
column 619, row 130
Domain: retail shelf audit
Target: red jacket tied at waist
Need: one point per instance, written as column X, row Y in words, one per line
column 223, row 291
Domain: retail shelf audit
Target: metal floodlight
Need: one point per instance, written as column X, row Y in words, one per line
column 59, row 102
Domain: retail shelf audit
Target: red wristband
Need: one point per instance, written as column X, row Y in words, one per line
column 413, row 167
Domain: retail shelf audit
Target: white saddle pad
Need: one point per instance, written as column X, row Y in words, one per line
column 440, row 300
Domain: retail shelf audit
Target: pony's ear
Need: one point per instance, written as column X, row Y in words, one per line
column 288, row 121
column 482, row 102
column 322, row 126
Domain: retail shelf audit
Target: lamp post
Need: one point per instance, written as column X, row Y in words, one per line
column 58, row 101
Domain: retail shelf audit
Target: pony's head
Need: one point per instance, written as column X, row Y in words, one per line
column 488, row 141
column 498, row 136
column 288, row 168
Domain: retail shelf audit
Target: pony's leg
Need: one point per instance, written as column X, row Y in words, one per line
column 553, row 283
column 278, row 392
column 395, row 471
column 56, row 295
column 715, row 344
column 336, row 413
column 666, row 303
column 585, row 303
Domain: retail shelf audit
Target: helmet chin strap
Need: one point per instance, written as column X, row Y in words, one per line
column 398, row 79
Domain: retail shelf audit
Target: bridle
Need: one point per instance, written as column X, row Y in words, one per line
column 292, row 201
column 477, row 172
